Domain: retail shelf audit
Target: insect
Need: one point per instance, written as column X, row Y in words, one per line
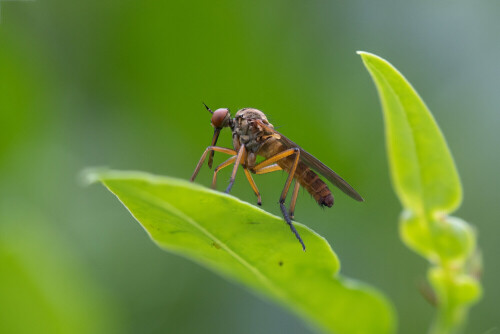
column 254, row 136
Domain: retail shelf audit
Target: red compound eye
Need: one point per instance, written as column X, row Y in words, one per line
column 218, row 117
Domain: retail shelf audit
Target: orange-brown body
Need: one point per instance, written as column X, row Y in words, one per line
column 303, row 174
column 259, row 142
column 254, row 136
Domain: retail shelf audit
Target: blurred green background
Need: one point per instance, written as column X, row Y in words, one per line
column 120, row 84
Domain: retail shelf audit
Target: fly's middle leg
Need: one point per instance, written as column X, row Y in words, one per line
column 218, row 168
column 204, row 156
column 239, row 157
column 253, row 185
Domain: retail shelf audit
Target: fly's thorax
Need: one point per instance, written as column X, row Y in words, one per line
column 246, row 131
column 251, row 113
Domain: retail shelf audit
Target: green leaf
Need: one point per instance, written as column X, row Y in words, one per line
column 252, row 247
column 423, row 171
column 449, row 239
column 428, row 186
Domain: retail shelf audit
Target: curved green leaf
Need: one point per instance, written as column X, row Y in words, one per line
column 423, row 171
column 427, row 184
column 248, row 245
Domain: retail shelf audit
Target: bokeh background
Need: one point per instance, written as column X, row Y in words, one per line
column 120, row 84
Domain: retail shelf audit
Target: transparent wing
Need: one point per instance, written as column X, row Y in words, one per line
column 317, row 165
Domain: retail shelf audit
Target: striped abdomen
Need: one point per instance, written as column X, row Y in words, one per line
column 309, row 180
column 306, row 177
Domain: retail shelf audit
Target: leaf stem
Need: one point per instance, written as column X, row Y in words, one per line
column 450, row 317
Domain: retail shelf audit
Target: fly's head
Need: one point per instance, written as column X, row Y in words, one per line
column 221, row 118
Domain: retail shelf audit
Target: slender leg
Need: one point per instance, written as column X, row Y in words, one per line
column 241, row 153
column 288, row 182
column 204, row 156
column 295, row 193
column 247, row 173
column 275, row 158
column 290, row 175
column 269, row 169
column 263, row 170
column 283, row 197
column 222, row 165
column 253, row 185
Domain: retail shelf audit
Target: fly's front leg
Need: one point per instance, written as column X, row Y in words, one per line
column 204, row 156
column 268, row 163
column 241, row 153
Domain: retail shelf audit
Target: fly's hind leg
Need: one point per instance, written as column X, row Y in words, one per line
column 295, row 194
column 288, row 182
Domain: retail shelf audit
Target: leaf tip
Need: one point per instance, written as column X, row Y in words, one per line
column 91, row 175
column 366, row 55
column 371, row 56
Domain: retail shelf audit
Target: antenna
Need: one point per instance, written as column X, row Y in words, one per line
column 208, row 108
